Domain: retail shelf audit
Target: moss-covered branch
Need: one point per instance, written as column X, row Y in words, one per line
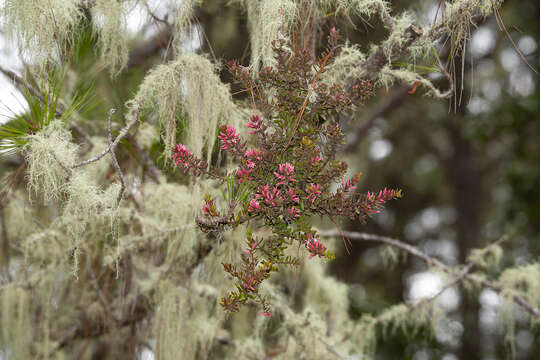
column 431, row 261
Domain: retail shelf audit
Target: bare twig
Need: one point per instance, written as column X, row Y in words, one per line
column 112, row 146
column 18, row 80
column 433, row 262
column 114, row 159
column 457, row 279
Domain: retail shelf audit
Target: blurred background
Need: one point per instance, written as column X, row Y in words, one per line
column 469, row 167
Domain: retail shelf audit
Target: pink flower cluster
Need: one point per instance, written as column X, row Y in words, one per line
column 294, row 212
column 293, row 196
column 270, row 197
column 350, row 184
column 314, row 191
column 253, row 206
column 315, row 247
column 229, row 137
column 207, row 207
column 255, row 123
column 252, row 157
column 181, row 155
column 285, row 174
column 243, row 174
column 315, row 160
column 384, row 195
column 248, row 284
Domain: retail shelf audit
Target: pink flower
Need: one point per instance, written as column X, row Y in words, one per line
column 285, row 174
column 294, row 212
column 243, row 174
column 384, row 195
column 350, row 184
column 262, row 313
column 315, row 247
column 228, row 136
column 181, row 156
column 253, row 206
column 249, row 283
column 313, row 191
column 253, row 154
column 206, row 207
column 255, row 123
column 293, row 196
column 315, row 160
column 270, row 197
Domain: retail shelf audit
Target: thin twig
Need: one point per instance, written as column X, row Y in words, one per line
column 457, row 279
column 112, row 146
column 433, row 262
column 114, row 159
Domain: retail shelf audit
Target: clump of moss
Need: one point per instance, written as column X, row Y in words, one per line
column 187, row 88
column 111, row 27
column 42, row 28
column 268, row 21
column 16, row 322
column 45, row 152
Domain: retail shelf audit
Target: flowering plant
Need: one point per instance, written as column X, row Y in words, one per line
column 285, row 175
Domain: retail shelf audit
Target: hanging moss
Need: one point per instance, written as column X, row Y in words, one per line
column 486, row 258
column 42, row 28
column 16, row 331
column 45, row 149
column 344, row 68
column 389, row 76
column 523, row 281
column 88, row 203
column 110, row 23
column 268, row 21
column 186, row 323
column 188, row 88
column 146, row 135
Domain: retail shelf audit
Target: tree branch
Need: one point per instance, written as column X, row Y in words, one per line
column 535, row 312
column 413, row 34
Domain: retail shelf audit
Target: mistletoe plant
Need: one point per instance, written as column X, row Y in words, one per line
column 286, row 172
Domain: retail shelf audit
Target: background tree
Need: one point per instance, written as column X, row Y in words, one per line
column 101, row 253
